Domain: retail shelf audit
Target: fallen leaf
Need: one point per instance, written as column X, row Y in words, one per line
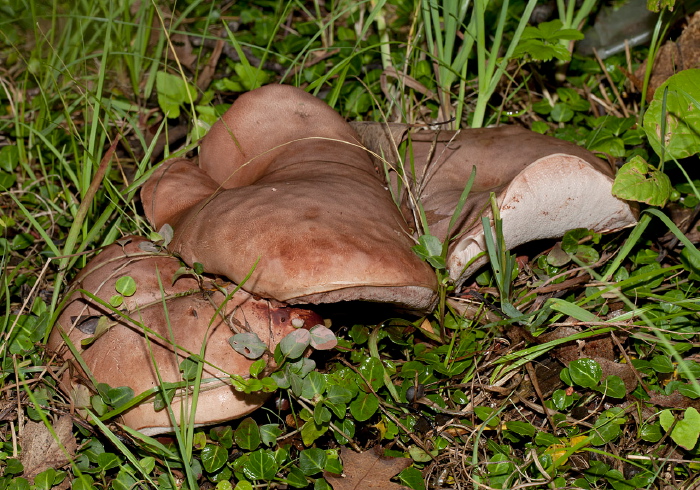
column 40, row 450
column 368, row 470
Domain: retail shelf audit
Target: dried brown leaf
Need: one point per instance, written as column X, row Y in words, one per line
column 368, row 470
column 40, row 450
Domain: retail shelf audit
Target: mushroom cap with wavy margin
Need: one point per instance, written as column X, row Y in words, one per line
column 185, row 318
column 283, row 187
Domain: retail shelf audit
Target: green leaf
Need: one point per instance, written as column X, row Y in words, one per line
column 572, row 310
column 214, row 457
column 312, row 431
column 189, row 368
column 338, row 394
column 269, row 434
column 650, row 432
column 613, row 387
column 607, row 427
column 322, row 338
column 312, row 461
column 686, row 431
column 639, row 181
column 322, row 414
column 247, row 434
column 561, row 400
column 107, row 461
column 83, row 482
column 348, row 427
column 294, row 344
column 13, row 466
column 261, row 465
column 585, row 372
column 429, row 248
column 314, row 384
column 257, row 367
column 45, row 479
column 251, row 77
column 9, row 158
column 295, row 478
column 661, row 364
column 682, row 111
column 521, row 428
column 248, row 344
column 562, row 112
column 412, row 478
column 119, row 396
column 364, row 406
column 373, row 371
column 126, row 286
column 173, row 92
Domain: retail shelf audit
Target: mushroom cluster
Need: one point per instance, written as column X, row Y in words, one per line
column 286, row 199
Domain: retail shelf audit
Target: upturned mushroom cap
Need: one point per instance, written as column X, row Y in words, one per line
column 290, row 193
column 544, row 186
column 183, row 317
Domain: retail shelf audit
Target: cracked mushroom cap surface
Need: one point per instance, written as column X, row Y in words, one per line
column 544, row 186
column 282, row 187
column 178, row 323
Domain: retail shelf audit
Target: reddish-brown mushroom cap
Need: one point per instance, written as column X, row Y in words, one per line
column 544, row 186
column 290, row 189
column 184, row 318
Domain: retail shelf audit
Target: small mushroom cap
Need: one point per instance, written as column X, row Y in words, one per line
column 294, row 198
column 544, row 186
column 179, row 323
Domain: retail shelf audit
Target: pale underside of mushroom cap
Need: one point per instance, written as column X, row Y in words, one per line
column 292, row 197
column 184, row 317
column 583, row 200
column 544, row 186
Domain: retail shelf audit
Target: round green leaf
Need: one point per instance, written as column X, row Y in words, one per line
column 247, row 435
column 585, row 372
column 126, row 286
column 650, row 432
column 312, row 461
column 322, row 338
column 294, row 344
column 613, row 386
column 364, row 406
column 338, row 394
column 261, row 465
column 373, row 371
column 248, row 344
column 214, row 457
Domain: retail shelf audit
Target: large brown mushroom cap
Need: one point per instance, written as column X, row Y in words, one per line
column 290, row 186
column 179, row 322
column 544, row 186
